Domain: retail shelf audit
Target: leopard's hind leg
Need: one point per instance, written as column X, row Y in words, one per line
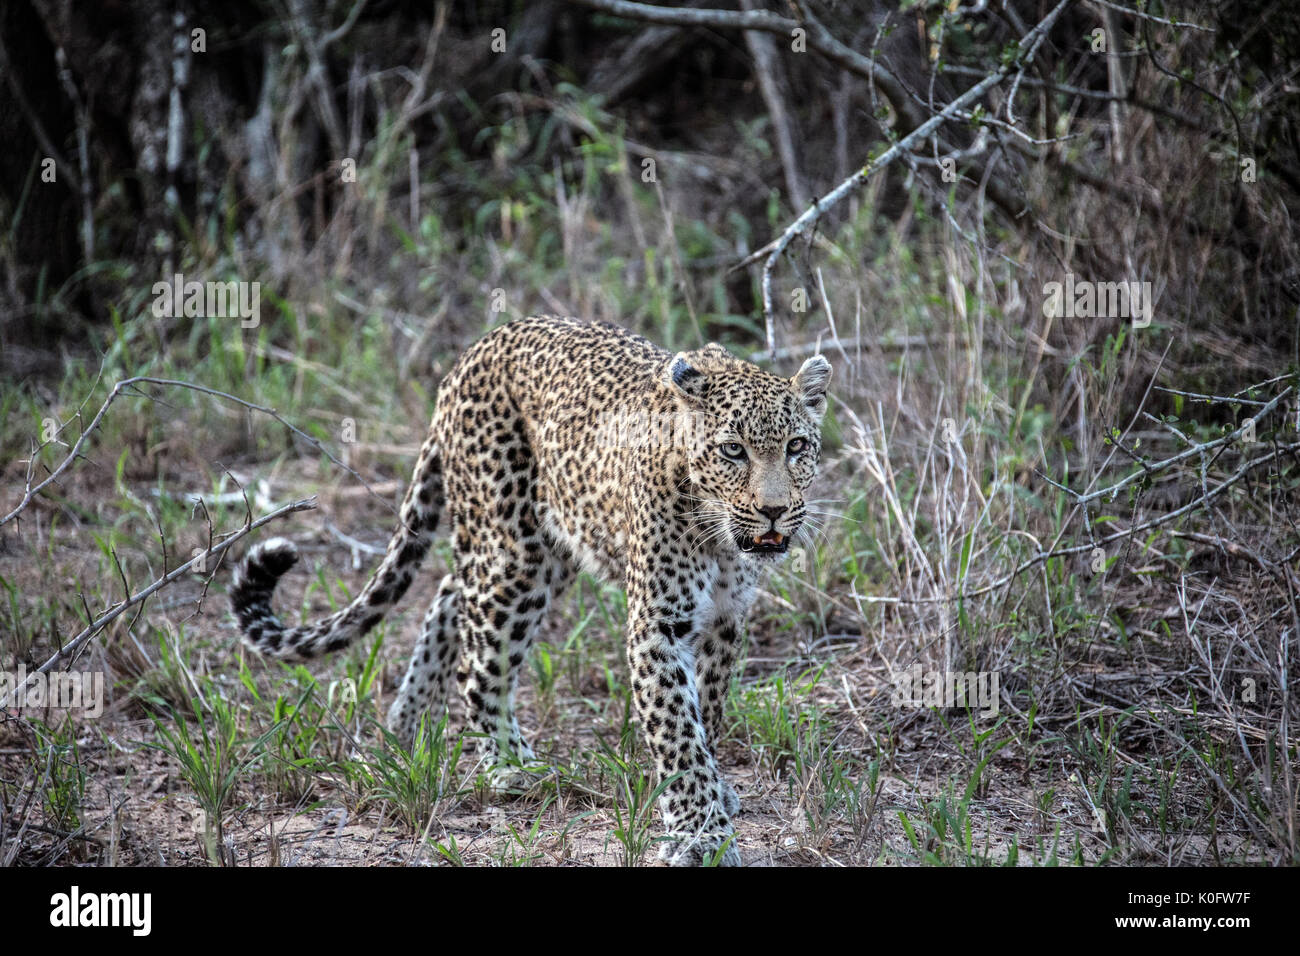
column 428, row 677
column 504, row 562
column 507, row 593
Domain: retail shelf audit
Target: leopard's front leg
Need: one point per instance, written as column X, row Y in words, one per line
column 715, row 657
column 716, row 651
column 661, row 640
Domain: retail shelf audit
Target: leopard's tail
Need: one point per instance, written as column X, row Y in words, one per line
column 250, row 596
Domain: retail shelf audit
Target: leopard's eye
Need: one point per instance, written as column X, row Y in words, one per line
column 733, row 450
column 796, row 446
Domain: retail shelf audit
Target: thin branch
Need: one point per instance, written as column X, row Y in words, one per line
column 1124, row 534
column 817, row 36
column 1200, row 396
column 1142, row 14
column 31, row 492
column 1023, row 57
column 1104, row 95
column 95, row 626
column 1148, row 469
column 339, row 32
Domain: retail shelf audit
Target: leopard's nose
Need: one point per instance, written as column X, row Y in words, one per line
column 772, row 512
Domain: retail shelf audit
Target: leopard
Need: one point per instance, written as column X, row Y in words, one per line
column 559, row 446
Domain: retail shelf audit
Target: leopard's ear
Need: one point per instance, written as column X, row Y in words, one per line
column 684, row 379
column 810, row 384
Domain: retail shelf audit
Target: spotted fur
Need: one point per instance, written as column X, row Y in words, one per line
column 558, row 445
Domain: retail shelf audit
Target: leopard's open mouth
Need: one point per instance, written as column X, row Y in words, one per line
column 771, row 542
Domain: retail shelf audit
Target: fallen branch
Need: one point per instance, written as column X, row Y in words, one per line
column 97, row 625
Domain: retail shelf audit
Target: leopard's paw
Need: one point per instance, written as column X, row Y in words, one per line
column 717, row 848
column 511, row 780
column 504, row 775
column 730, row 799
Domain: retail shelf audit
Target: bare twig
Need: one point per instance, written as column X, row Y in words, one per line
column 31, row 492
column 1121, row 535
column 808, row 219
column 817, row 36
column 1111, row 490
column 94, row 627
column 1142, row 14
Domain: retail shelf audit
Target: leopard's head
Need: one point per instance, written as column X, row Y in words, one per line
column 752, row 448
